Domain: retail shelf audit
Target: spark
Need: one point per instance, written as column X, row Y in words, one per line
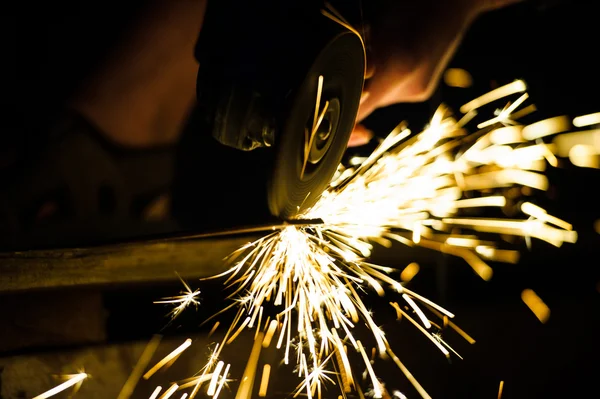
column 206, row 376
column 448, row 322
column 317, row 120
column 504, row 115
column 168, row 358
column 73, row 380
column 588, row 138
column 435, row 340
column 212, row 330
column 587, row 120
column 212, row 386
column 223, row 380
column 247, row 382
column 500, row 389
column 546, row 127
column 585, row 156
column 186, row 298
column 377, row 393
column 408, row 375
column 169, row 392
column 409, row 272
column 269, row 334
column 399, row 395
column 138, row 369
column 515, row 87
column 264, row 382
column 429, row 189
column 457, row 77
column 536, row 305
column 156, row 392
column 541, row 214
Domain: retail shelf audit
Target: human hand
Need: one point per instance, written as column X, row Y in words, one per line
column 409, row 44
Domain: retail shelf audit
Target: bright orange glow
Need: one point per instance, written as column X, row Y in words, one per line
column 536, row 305
column 457, row 77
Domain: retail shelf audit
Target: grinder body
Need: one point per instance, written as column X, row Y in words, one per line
column 260, row 64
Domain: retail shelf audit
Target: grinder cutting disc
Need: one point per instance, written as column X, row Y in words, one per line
column 303, row 168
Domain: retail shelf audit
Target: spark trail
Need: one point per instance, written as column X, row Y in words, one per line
column 412, row 189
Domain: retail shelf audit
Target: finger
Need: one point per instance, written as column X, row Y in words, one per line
column 360, row 136
column 363, row 97
column 385, row 87
column 379, row 95
column 365, row 107
column 403, row 81
column 370, row 71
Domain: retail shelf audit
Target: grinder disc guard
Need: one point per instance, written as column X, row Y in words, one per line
column 258, row 86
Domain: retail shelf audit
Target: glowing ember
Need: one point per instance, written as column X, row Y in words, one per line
column 180, row 302
column 168, row 359
column 155, row 393
column 138, row 370
column 73, row 380
column 536, row 305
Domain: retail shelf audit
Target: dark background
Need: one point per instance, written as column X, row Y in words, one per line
column 48, row 48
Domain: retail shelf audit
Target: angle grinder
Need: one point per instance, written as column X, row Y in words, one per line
column 284, row 77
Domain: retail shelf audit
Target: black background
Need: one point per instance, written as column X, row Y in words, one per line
column 49, row 47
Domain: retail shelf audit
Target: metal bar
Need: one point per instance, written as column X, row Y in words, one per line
column 155, row 260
